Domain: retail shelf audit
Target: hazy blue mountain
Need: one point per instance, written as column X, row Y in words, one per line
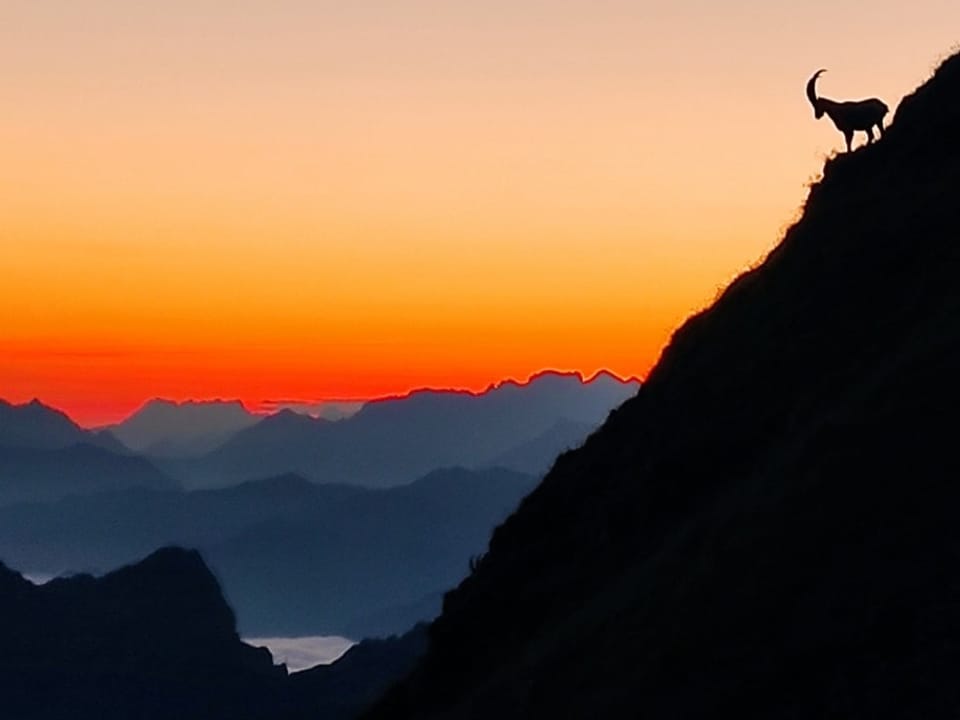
column 36, row 475
column 357, row 562
column 295, row 558
column 108, row 441
column 155, row 641
column 536, row 456
column 393, row 441
column 769, row 528
column 35, row 425
column 163, row 428
column 326, row 409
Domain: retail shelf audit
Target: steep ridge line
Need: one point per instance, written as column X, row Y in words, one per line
column 766, row 529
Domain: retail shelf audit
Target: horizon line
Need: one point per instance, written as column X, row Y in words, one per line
column 246, row 405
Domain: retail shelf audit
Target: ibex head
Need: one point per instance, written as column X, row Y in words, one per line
column 812, row 94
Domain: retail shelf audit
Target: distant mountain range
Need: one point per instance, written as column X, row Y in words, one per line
column 38, row 426
column 162, row 428
column 155, row 641
column 45, row 456
column 295, row 558
column 310, row 550
column 394, row 441
column 32, row 475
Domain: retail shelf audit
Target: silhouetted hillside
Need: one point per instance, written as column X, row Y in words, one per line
column 769, row 529
column 32, row 475
column 156, row 640
column 162, row 428
column 295, row 558
column 394, row 441
column 337, row 691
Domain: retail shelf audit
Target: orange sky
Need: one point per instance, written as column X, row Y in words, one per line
column 343, row 200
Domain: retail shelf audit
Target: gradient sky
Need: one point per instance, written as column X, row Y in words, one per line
column 306, row 200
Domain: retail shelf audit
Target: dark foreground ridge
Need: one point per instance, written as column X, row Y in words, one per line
column 156, row 640
column 769, row 529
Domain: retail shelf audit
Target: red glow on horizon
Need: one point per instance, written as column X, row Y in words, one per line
column 92, row 413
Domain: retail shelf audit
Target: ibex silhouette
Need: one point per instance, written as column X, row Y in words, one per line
column 850, row 115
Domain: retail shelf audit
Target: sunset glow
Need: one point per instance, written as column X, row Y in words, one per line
column 314, row 200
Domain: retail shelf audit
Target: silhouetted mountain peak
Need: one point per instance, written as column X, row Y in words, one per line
column 551, row 379
column 156, row 640
column 292, row 418
column 12, row 582
column 36, row 425
column 167, row 428
column 217, row 403
column 36, row 408
column 177, row 589
column 179, row 569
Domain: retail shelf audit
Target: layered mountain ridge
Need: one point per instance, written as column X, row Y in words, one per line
column 278, row 545
column 43, row 475
column 280, row 541
column 394, row 441
column 37, row 426
column 163, row 428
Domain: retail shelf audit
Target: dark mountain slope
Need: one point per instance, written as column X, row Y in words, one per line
column 769, row 528
column 356, row 680
column 153, row 640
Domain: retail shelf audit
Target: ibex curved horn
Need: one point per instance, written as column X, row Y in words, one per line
column 863, row 115
column 812, row 90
